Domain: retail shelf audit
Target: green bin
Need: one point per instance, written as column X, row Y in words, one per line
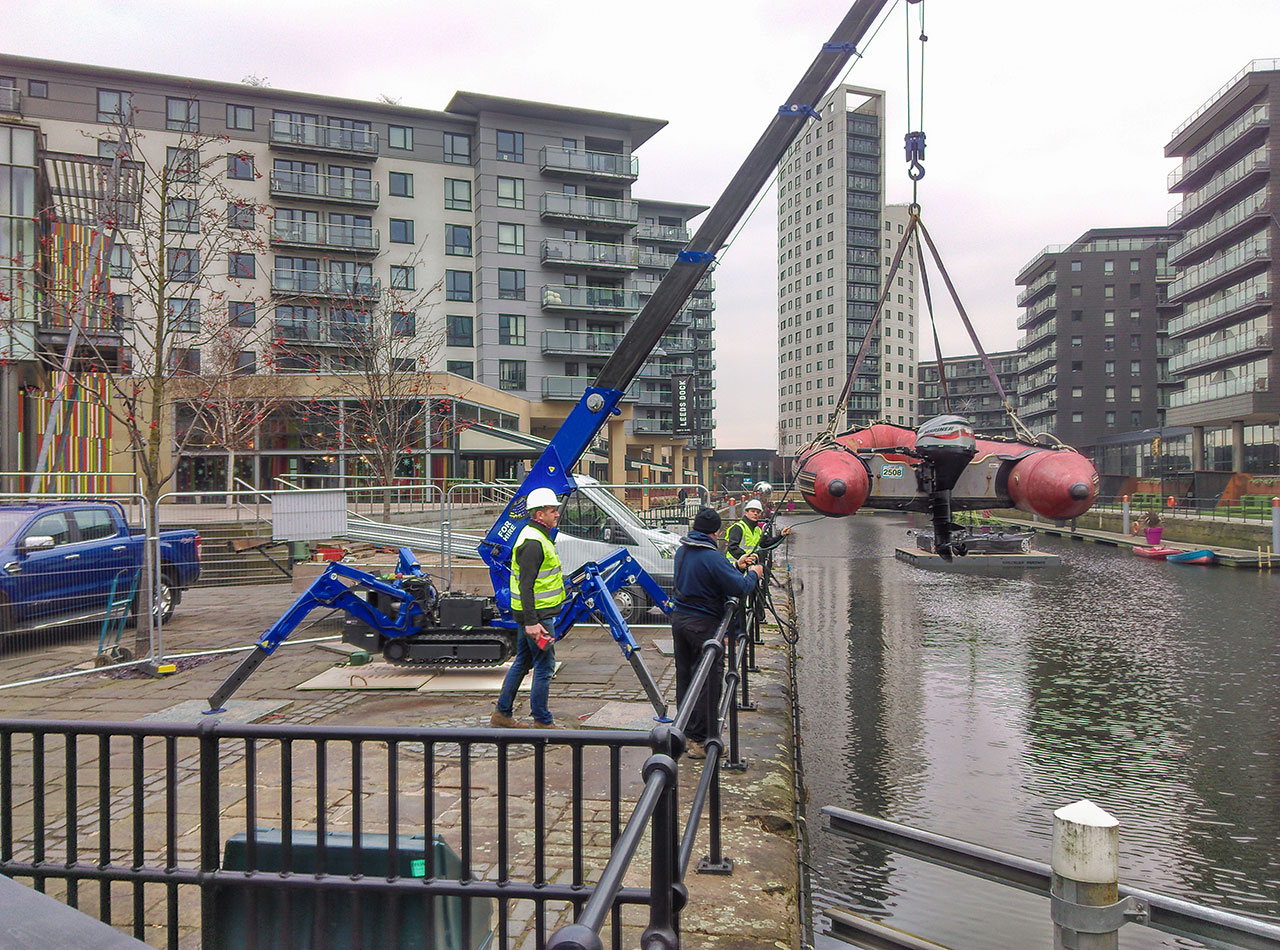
column 276, row 908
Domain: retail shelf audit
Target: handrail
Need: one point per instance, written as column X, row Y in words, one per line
column 1169, row 914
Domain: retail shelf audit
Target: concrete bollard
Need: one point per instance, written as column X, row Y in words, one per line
column 1124, row 516
column 1086, row 874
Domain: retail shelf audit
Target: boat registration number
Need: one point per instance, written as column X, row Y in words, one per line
column 892, row 470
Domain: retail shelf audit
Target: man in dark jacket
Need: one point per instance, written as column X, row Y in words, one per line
column 704, row 580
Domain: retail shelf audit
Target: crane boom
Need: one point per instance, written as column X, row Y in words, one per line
column 600, row 400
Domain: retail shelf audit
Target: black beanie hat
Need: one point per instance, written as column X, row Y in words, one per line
column 707, row 521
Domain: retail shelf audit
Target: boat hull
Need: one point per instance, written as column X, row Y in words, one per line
column 1192, row 557
column 1154, row 553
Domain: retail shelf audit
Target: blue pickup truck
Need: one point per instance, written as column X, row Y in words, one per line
column 65, row 562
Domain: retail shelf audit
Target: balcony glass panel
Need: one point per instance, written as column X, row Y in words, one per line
column 325, row 283
column 1243, row 342
column 319, row 234
column 336, row 187
column 555, row 250
column 587, row 208
column 566, row 297
column 592, row 164
column 334, row 138
column 1256, row 290
column 1256, row 160
column 579, row 342
column 672, row 234
column 1256, row 203
column 1252, row 118
column 1255, row 249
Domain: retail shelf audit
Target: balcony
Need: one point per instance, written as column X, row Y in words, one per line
column 1036, row 335
column 1037, row 358
column 557, row 252
column 1038, row 381
column 314, row 137
column 1254, row 297
column 654, row 398
column 307, row 185
column 1208, row 355
column 319, row 236
column 1207, row 392
column 1222, row 228
column 314, row 283
column 1256, row 163
column 650, row 427
column 580, row 163
column 1213, row 273
column 591, row 299
column 579, row 343
column 1048, row 279
column 1185, row 174
column 569, row 388
column 606, row 212
column 10, row 99
column 664, row 233
column 704, row 286
column 314, row 331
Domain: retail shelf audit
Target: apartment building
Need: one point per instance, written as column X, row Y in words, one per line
column 1094, row 356
column 510, row 225
column 1224, row 272
column 969, row 391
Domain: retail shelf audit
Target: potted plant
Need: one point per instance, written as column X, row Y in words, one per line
column 1153, row 530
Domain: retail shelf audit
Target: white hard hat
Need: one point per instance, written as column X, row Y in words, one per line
column 754, row 503
column 541, row 498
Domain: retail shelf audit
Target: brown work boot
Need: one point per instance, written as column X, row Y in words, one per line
column 544, row 725
column 500, row 720
column 695, row 750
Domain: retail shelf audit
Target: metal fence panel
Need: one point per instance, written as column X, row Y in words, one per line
column 72, row 577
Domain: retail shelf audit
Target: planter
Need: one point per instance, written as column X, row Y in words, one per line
column 1153, row 535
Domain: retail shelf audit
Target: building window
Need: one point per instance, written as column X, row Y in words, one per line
column 1109, row 394
column 511, row 329
column 182, row 115
column 1135, row 341
column 1108, row 342
column 1135, row 394
column 1109, row 368
column 1135, row 291
column 183, row 263
column 240, row 117
column 242, row 313
column 1133, row 265
column 457, row 240
column 246, row 363
column 511, row 374
column 1077, row 316
column 182, row 215
column 1108, row 318
column 37, row 89
column 121, row 260
column 399, row 136
column 404, row 323
column 1111, row 418
column 182, row 164
column 400, row 184
column 1135, row 418
column 114, row 106
column 1108, row 267
column 459, row 330
column 1135, row 367
column 510, row 284
column 1077, row 341
column 1077, row 392
column 1077, row 366
column 510, row 149
column 1076, row 290
column 240, row 167
column 457, row 194
column 184, row 314
column 457, row 148
column 108, row 148
column 510, row 192
column 457, row 285
column 402, row 278
column 1135, row 316
column 461, row 368
column 242, row 265
column 184, row 361
column 1075, row 267
column 401, row 231
column 510, row 238
column 1077, row 417
column 240, row 215
column 1109, row 292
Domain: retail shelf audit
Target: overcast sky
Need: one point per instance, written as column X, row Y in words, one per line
column 1043, row 119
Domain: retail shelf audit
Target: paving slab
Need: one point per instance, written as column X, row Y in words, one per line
column 477, row 681
column 636, row 716
column 242, row 711
column 665, row 647
column 368, row 676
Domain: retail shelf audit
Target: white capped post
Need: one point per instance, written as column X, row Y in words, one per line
column 1086, row 875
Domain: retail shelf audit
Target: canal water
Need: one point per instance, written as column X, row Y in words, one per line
column 974, row 706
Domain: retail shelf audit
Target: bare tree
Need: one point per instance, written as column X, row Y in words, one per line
column 378, row 393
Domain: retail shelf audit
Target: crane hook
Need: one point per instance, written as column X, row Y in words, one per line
column 915, row 155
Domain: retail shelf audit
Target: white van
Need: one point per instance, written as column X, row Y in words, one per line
column 594, row 524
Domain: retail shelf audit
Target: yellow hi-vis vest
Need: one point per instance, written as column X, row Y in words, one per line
column 750, row 539
column 548, row 587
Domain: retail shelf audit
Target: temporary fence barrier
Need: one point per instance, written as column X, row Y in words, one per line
column 76, row 575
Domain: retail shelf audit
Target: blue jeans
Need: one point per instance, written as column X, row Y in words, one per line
column 543, row 663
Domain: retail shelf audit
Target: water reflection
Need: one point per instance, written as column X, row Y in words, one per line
column 974, row 706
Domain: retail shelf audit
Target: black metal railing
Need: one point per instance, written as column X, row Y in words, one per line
column 231, row 835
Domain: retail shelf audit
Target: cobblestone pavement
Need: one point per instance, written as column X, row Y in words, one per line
column 151, row 813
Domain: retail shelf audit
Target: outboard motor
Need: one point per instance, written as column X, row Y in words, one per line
column 945, row 445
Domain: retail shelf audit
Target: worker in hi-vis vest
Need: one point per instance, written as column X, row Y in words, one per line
column 744, row 541
column 537, row 593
